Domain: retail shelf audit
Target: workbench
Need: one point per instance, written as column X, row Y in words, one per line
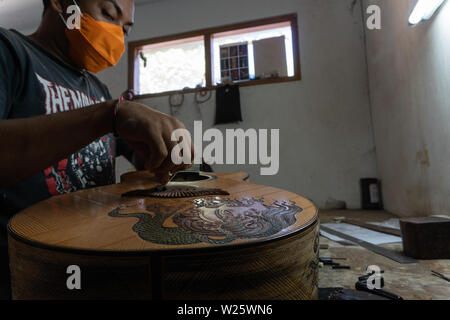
column 410, row 281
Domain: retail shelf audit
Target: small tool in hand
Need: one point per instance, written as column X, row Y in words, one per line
column 172, row 190
column 172, row 176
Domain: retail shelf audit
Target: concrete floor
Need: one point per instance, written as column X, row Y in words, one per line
column 410, row 281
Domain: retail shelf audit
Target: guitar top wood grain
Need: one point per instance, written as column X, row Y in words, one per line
column 101, row 219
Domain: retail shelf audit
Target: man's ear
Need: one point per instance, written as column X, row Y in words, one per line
column 57, row 6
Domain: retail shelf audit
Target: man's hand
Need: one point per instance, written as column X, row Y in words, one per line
column 35, row 143
column 149, row 133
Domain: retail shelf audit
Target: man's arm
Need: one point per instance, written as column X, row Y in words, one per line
column 33, row 144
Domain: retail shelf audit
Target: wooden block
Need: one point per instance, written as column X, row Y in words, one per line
column 426, row 238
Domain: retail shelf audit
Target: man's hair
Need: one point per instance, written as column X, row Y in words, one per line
column 46, row 5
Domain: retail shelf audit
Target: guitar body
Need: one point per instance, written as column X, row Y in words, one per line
column 257, row 243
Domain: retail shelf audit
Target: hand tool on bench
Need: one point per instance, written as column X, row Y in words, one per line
column 388, row 230
column 440, row 275
column 361, row 285
column 334, row 265
column 396, row 256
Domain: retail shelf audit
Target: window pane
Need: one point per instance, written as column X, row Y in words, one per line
column 221, row 41
column 172, row 66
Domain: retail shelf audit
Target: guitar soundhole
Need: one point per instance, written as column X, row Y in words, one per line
column 188, row 176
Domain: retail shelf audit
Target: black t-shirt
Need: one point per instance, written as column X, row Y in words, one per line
column 33, row 82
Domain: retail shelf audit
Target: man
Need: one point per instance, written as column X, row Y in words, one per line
column 56, row 117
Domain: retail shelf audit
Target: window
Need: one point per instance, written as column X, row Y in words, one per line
column 172, row 65
column 250, row 53
column 274, row 50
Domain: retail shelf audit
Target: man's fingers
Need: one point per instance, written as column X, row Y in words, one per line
column 144, row 125
column 163, row 177
column 140, row 148
column 159, row 153
column 168, row 167
column 180, row 160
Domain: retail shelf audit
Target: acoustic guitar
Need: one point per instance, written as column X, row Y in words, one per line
column 204, row 236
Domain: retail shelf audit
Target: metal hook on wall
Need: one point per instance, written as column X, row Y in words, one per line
column 174, row 103
column 203, row 95
column 141, row 55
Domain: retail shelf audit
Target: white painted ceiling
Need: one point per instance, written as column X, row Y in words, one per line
column 25, row 15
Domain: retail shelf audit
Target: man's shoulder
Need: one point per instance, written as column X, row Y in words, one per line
column 20, row 50
column 10, row 37
column 6, row 33
column 12, row 41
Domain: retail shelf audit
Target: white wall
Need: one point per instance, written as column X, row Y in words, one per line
column 409, row 72
column 21, row 15
column 326, row 136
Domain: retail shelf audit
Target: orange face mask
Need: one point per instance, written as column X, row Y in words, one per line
column 96, row 45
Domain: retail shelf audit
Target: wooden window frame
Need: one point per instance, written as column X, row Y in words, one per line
column 136, row 46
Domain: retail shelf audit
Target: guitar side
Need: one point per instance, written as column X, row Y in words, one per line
column 258, row 243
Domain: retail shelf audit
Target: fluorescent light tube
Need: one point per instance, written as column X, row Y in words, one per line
column 424, row 10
